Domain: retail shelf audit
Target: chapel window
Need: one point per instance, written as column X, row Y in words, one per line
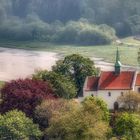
column 109, row 94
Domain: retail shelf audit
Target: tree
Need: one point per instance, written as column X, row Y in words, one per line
column 101, row 104
column 77, row 68
column 128, row 126
column 45, row 111
column 93, row 36
column 24, row 95
column 14, row 125
column 62, row 86
column 130, row 101
column 70, row 119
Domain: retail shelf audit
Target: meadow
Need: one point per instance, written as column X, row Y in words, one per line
column 128, row 49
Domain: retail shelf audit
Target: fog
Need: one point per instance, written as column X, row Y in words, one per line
column 31, row 17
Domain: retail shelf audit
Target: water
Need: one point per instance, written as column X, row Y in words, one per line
column 17, row 63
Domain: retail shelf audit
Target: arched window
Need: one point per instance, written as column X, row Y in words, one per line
column 121, row 93
column 139, row 90
column 116, row 106
column 109, row 94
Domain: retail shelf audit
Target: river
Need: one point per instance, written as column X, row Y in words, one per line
column 18, row 63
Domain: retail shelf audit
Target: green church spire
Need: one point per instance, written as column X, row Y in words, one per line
column 117, row 63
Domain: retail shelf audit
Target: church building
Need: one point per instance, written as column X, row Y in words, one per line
column 112, row 84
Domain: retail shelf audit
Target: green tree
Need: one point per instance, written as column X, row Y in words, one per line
column 74, row 121
column 77, row 68
column 101, row 104
column 128, row 126
column 62, row 85
column 14, row 125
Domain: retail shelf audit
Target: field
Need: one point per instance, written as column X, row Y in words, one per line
column 128, row 49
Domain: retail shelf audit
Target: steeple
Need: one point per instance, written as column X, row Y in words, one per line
column 117, row 63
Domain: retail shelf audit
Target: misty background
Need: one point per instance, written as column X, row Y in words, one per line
column 85, row 22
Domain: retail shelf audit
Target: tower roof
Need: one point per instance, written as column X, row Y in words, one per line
column 117, row 63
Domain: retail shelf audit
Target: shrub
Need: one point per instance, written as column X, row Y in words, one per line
column 24, row 95
column 15, row 125
column 128, row 126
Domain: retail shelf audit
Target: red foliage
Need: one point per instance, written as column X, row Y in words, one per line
column 24, row 95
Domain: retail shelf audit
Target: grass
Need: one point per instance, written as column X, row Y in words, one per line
column 131, row 41
column 128, row 52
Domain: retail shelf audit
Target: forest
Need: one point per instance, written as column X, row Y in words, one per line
column 87, row 22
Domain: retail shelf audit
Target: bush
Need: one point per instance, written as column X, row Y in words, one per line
column 128, row 126
column 15, row 125
column 24, row 95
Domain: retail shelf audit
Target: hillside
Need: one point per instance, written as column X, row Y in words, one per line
column 47, row 20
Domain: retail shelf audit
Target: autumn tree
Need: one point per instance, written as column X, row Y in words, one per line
column 130, row 101
column 24, row 95
column 62, row 85
column 45, row 111
column 77, row 68
column 70, row 119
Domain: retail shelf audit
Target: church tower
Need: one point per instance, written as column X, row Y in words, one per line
column 117, row 63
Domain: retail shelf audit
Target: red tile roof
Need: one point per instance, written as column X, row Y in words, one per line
column 110, row 81
column 92, row 83
column 138, row 80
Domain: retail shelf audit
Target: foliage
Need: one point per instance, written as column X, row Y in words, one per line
column 127, row 126
column 45, row 111
column 85, row 33
column 77, row 68
column 31, row 19
column 24, row 95
column 93, row 37
column 101, row 104
column 80, row 32
column 134, row 24
column 14, row 125
column 72, row 120
column 130, row 101
column 62, row 86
